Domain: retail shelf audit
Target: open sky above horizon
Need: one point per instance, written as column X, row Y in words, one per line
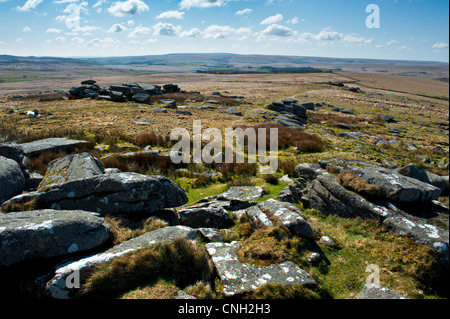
column 409, row 29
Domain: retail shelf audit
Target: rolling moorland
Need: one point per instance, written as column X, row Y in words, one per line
column 343, row 132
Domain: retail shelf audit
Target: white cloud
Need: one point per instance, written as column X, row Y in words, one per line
column 244, row 12
column 26, row 29
column 273, row 19
column 116, row 28
column 171, row 14
column 393, row 42
column 217, row 31
column 328, row 35
column 53, row 30
column 355, row 39
column 166, row 29
column 128, row 8
column 193, row 33
column 104, row 43
column 440, row 45
column 293, row 20
column 187, row 4
column 30, row 4
column 277, row 30
column 139, row 31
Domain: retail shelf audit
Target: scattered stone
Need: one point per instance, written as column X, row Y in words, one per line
column 389, row 119
column 233, row 111
column 327, row 241
column 314, row 258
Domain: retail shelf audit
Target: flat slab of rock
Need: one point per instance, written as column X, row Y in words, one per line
column 53, row 145
column 242, row 193
column 12, row 181
column 57, row 287
column 205, row 217
column 48, row 233
column 373, row 291
column 238, row 277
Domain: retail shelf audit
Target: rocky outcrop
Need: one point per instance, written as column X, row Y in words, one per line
column 239, row 277
column 405, row 205
column 26, row 236
column 292, row 114
column 57, row 287
column 82, row 186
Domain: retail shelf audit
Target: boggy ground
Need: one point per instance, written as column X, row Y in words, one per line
column 419, row 105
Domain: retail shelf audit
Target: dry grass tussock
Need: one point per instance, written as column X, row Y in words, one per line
column 353, row 182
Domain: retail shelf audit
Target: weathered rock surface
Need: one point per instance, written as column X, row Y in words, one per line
column 373, row 291
column 48, row 233
column 264, row 213
column 242, row 193
column 71, row 168
column 12, row 181
column 238, row 277
column 54, row 145
column 211, row 217
column 57, row 287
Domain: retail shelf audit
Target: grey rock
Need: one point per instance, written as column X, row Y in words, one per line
column 314, row 258
column 13, row 151
column 209, row 217
column 300, row 110
column 373, row 291
column 289, row 215
column 54, row 145
column 12, row 180
column 48, row 233
column 233, row 111
column 242, row 193
column 285, row 121
column 389, row 119
column 159, row 110
column 71, row 168
column 142, row 98
column 183, row 295
column 210, row 234
column 238, row 277
column 327, row 241
column 355, row 135
column 57, row 287
column 416, row 172
column 395, row 187
column 286, row 196
column 289, row 101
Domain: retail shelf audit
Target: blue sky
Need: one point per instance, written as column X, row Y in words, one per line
column 409, row 29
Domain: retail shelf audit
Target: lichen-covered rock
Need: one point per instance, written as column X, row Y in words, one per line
column 48, row 233
column 71, row 168
column 239, row 277
column 57, row 287
column 209, row 217
column 242, row 193
column 373, row 291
